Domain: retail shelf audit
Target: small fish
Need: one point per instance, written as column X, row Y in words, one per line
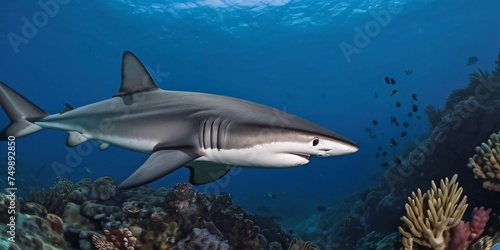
column 393, row 143
column 414, row 97
column 89, row 169
column 397, row 161
column 271, row 195
column 393, row 119
column 408, row 71
column 379, row 148
column 397, row 124
column 384, row 164
column 321, row 208
column 403, row 134
column 394, row 92
column 372, row 135
column 410, row 114
column 418, row 117
column 398, row 104
column 377, row 155
column 389, row 80
column 414, row 108
column 375, row 122
column 405, row 124
column 472, row 60
column 384, row 153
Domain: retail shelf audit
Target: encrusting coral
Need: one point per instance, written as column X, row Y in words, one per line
column 430, row 215
column 102, row 189
column 486, row 163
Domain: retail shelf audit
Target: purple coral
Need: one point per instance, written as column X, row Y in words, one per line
column 201, row 239
column 96, row 211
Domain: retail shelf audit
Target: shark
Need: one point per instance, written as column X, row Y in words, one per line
column 207, row 133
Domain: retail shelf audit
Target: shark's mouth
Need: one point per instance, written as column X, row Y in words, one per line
column 307, row 157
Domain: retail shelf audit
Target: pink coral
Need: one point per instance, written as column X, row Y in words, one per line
column 459, row 236
column 465, row 233
column 478, row 222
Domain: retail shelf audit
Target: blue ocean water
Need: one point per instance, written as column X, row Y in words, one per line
column 322, row 60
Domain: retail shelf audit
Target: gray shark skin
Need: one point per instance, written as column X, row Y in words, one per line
column 208, row 133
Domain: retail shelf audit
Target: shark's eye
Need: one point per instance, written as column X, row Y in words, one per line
column 315, row 141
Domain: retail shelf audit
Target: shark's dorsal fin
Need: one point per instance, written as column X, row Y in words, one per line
column 66, row 108
column 135, row 77
column 202, row 172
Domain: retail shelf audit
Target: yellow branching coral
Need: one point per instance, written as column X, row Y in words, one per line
column 431, row 215
column 485, row 163
column 299, row 244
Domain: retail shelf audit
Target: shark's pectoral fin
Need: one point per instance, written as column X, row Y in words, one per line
column 75, row 138
column 159, row 164
column 205, row 171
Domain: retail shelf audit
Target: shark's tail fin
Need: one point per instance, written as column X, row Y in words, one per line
column 22, row 113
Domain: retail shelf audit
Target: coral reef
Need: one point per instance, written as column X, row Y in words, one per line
column 429, row 216
column 485, row 163
column 55, row 198
column 34, row 228
column 95, row 216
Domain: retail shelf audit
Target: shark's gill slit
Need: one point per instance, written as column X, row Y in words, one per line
column 221, row 134
column 202, row 134
column 217, row 137
column 208, row 133
column 213, row 134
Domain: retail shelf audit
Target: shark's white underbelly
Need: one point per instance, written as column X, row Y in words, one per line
column 262, row 155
